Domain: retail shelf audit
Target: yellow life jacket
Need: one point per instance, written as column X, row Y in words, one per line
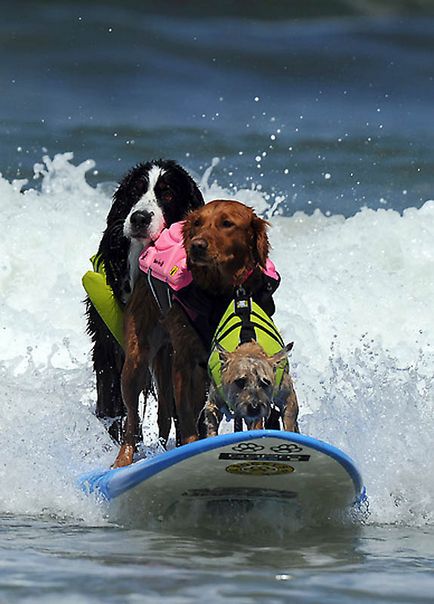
column 102, row 297
column 243, row 321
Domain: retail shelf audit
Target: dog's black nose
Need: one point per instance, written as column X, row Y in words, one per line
column 198, row 247
column 253, row 409
column 141, row 219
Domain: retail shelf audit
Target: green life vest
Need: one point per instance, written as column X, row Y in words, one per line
column 102, row 297
column 243, row 321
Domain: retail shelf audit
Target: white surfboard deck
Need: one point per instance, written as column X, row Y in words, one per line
column 260, row 466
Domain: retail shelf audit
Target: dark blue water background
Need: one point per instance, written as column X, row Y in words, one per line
column 329, row 104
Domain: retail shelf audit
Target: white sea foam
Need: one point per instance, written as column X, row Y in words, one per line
column 356, row 297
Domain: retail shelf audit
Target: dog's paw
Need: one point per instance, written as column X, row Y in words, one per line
column 125, row 456
column 189, row 439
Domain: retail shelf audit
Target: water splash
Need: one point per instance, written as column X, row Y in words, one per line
column 48, row 434
column 355, row 297
column 381, row 411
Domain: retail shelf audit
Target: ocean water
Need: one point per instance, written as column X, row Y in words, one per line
column 319, row 116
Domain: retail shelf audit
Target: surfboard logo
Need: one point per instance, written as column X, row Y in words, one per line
column 249, row 447
column 239, row 494
column 260, row 468
column 286, row 448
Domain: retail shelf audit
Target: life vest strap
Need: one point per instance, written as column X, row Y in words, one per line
column 161, row 291
column 243, row 309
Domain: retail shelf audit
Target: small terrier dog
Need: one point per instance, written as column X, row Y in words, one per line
column 249, row 390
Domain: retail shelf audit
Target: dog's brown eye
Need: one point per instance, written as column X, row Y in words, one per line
column 227, row 223
column 196, row 223
column 167, row 196
column 240, row 382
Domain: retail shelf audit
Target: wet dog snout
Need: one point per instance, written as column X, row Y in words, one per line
column 198, row 248
column 253, row 409
column 141, row 219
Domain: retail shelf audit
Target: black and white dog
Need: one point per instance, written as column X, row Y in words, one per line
column 151, row 196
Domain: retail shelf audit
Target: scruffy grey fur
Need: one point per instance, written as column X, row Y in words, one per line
column 248, row 378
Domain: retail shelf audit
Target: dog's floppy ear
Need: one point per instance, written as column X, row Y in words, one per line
column 193, row 195
column 187, row 226
column 196, row 196
column 281, row 355
column 261, row 239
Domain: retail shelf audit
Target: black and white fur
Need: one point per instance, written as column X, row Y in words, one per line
column 152, row 195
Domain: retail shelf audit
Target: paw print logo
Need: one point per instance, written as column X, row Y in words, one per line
column 247, row 447
column 287, row 448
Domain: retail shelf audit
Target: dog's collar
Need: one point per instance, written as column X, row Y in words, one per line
column 269, row 270
column 246, row 275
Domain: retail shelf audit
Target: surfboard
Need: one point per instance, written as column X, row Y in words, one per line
column 244, row 469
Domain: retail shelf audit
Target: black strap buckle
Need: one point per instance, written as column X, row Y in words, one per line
column 243, row 309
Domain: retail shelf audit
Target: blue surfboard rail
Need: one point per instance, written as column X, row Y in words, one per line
column 110, row 483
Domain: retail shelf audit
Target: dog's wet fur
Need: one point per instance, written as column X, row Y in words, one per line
column 150, row 196
column 226, row 244
column 248, row 390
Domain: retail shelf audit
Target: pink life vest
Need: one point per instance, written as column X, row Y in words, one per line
column 167, row 259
